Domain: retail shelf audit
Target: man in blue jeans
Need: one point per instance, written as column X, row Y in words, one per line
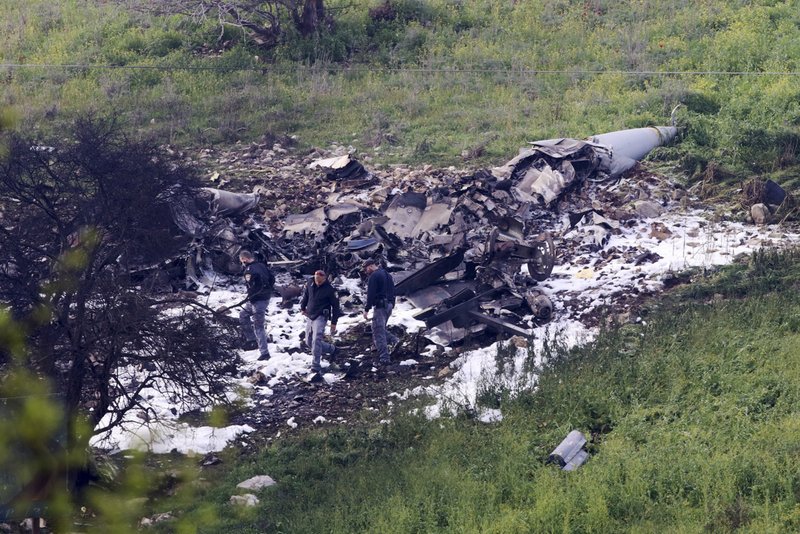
column 380, row 296
column 260, row 281
column 319, row 303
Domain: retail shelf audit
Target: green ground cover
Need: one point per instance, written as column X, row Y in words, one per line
column 437, row 82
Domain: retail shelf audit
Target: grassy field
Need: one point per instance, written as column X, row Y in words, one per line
column 441, row 82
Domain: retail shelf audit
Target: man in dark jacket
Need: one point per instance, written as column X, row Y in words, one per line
column 380, row 296
column 260, row 281
column 319, row 303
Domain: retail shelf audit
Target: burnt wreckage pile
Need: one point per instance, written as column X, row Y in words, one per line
column 467, row 250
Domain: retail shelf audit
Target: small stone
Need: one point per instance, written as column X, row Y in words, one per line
column 257, row 483
column 519, row 342
column 647, row 209
column 760, row 213
column 659, row 231
column 247, row 500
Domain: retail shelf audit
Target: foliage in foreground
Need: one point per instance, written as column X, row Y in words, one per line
column 693, row 420
column 82, row 222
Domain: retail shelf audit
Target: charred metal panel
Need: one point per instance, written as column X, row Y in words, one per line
column 429, row 274
column 404, row 212
column 225, row 204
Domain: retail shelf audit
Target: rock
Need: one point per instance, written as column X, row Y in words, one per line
column 519, row 342
column 257, row 483
column 257, row 378
column 659, row 231
column 760, row 213
column 158, row 518
column 647, row 209
column 247, row 500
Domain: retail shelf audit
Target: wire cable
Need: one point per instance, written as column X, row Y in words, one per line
column 424, row 70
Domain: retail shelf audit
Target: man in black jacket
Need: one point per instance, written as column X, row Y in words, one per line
column 260, row 281
column 319, row 303
column 380, row 295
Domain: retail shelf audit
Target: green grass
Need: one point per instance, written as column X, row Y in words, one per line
column 525, row 70
column 693, row 423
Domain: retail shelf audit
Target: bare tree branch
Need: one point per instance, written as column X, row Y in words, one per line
column 261, row 20
column 73, row 226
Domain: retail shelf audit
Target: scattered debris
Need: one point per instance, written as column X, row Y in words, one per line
column 569, row 454
column 473, row 252
column 456, row 242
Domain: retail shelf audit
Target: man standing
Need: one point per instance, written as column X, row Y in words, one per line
column 380, row 295
column 319, row 303
column 260, row 281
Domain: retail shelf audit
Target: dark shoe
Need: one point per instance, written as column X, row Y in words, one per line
column 263, row 357
column 392, row 368
column 395, row 347
column 250, row 345
column 315, row 377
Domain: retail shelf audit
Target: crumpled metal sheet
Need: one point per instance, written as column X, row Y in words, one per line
column 546, row 184
column 435, row 215
column 226, row 204
column 404, row 212
column 551, row 166
column 596, row 229
column 332, row 164
column 429, row 274
column 183, row 211
column 446, row 333
column 313, row 223
column 191, row 214
column 342, row 168
column 338, row 210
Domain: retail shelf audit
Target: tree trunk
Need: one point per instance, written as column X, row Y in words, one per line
column 313, row 15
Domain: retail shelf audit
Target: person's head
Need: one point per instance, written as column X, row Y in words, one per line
column 320, row 277
column 370, row 266
column 246, row 257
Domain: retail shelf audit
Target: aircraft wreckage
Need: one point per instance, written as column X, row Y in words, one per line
column 468, row 252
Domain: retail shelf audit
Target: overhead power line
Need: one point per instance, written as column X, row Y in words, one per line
column 432, row 70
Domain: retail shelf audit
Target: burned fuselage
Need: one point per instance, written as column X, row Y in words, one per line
column 468, row 250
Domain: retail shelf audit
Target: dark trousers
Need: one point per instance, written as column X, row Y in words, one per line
column 380, row 334
column 251, row 321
